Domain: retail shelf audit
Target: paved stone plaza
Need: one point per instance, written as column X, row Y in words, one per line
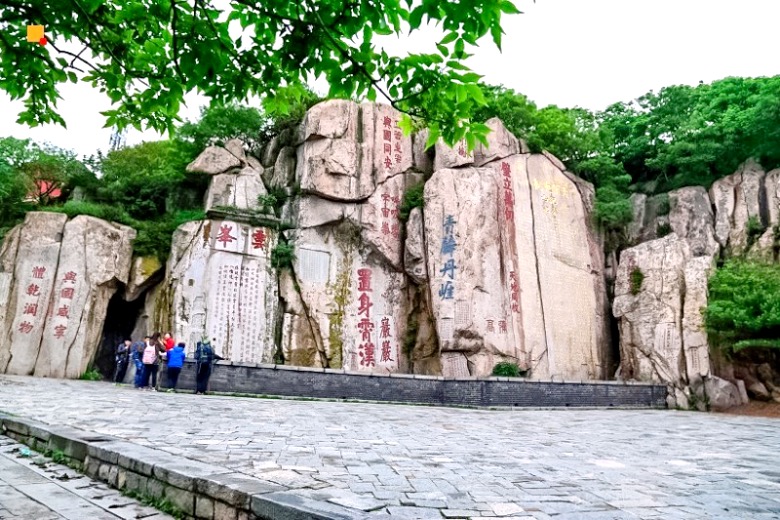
column 34, row 488
column 425, row 462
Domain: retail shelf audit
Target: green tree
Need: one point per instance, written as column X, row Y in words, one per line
column 743, row 308
column 220, row 123
column 146, row 54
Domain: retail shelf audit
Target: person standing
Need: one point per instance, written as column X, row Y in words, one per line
column 137, row 354
column 168, row 342
column 121, row 359
column 204, row 358
column 151, row 359
column 175, row 363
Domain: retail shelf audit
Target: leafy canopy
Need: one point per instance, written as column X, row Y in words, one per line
column 744, row 304
column 146, row 54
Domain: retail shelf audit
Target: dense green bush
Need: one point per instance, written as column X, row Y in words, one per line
column 414, row 197
column 743, row 308
column 283, row 255
column 508, row 369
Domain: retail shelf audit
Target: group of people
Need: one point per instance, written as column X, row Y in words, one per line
column 147, row 355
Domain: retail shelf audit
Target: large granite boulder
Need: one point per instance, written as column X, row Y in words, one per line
column 55, row 298
column 213, row 161
column 738, row 200
column 691, row 217
column 220, row 285
column 505, row 245
column 239, row 190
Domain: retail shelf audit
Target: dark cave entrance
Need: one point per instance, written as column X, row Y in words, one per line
column 121, row 317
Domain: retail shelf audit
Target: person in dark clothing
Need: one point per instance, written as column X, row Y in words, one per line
column 204, row 359
column 175, row 363
column 121, row 360
column 137, row 352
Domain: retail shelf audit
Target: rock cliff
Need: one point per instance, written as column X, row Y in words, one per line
column 56, row 279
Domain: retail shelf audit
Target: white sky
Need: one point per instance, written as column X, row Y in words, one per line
column 587, row 53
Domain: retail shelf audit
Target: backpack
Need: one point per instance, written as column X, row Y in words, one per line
column 204, row 353
column 150, row 355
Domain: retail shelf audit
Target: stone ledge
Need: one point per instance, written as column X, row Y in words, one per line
column 201, row 491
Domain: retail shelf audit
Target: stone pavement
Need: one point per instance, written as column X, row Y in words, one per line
column 34, row 488
column 424, row 462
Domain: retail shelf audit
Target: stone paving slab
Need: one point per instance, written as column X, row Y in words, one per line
column 33, row 487
column 423, row 462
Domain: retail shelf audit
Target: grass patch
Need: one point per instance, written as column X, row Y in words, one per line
column 636, row 278
column 91, row 375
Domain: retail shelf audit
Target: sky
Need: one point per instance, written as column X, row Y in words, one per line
column 587, row 53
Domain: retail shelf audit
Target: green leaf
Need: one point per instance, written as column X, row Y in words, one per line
column 449, row 38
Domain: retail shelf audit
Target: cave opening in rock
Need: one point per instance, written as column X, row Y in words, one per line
column 121, row 318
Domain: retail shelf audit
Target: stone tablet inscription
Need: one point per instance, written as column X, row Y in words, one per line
column 314, row 265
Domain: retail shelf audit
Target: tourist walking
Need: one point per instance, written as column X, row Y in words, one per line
column 175, row 363
column 137, row 354
column 121, row 360
column 151, row 359
column 204, row 358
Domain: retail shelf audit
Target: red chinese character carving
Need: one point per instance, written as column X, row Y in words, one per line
column 388, row 148
column 31, row 308
column 368, row 354
column 502, row 326
column 384, row 329
column 386, row 121
column 398, row 134
column 395, row 230
column 385, row 355
column 38, row 272
column 461, row 150
column 509, row 199
column 365, row 305
column 388, row 162
column 364, row 279
column 388, row 135
column 33, row 290
column 25, row 327
column 67, row 293
column 385, row 228
column 258, row 239
column 507, row 183
column 59, row 331
column 63, row 311
column 397, row 146
column 70, row 276
column 224, row 235
column 398, row 158
column 366, row 327
column 385, row 199
column 505, row 169
column 490, row 327
column 509, row 214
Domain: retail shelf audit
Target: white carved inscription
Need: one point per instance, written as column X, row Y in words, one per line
column 314, row 265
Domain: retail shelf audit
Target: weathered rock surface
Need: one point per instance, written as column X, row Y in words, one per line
column 451, row 156
column 238, row 190
column 505, row 299
column 691, row 217
column 721, row 394
column 214, row 160
column 220, row 285
column 501, row 144
column 64, row 274
column 144, row 273
column 737, row 199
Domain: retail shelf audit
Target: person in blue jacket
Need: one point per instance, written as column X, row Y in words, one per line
column 136, row 354
column 175, row 363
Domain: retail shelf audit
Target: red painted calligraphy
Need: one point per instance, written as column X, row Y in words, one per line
column 490, row 327
column 258, row 239
column 368, row 354
column 70, row 276
column 387, row 135
column 502, row 326
column 387, row 121
column 224, row 235
column 384, row 330
column 509, row 194
column 63, row 311
column 67, row 293
column 364, row 280
column 38, row 272
column 514, row 285
column 25, row 327
column 31, row 308
column 365, row 305
column 33, row 290
column 59, row 331
column 366, row 327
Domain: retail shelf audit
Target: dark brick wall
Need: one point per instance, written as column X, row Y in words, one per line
column 405, row 388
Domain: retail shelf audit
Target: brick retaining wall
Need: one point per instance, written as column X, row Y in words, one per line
column 405, row 388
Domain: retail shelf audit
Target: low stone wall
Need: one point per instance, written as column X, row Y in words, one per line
column 405, row 388
column 198, row 490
